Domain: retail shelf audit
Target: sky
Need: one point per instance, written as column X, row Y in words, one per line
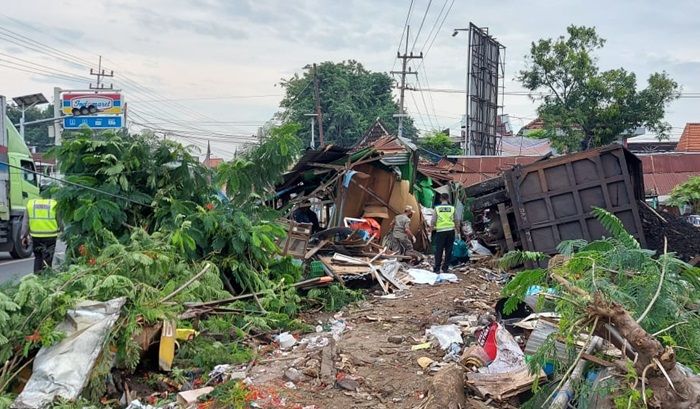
column 213, row 67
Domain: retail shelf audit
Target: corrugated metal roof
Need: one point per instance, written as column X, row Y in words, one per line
column 690, row 138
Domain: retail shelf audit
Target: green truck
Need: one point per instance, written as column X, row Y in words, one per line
column 23, row 185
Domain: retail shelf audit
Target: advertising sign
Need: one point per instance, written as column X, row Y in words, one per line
column 105, row 103
column 92, row 122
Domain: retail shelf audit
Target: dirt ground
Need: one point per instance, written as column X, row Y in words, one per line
column 372, row 370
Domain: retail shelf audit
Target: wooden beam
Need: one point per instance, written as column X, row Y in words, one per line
column 376, row 196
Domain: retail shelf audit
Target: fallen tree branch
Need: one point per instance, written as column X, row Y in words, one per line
column 658, row 288
column 187, row 283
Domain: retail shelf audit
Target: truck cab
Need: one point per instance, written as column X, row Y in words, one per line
column 23, row 185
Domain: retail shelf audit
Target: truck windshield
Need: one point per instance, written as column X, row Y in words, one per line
column 28, row 172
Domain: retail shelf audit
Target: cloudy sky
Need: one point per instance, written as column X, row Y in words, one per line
column 212, row 66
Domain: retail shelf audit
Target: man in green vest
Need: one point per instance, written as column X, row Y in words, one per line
column 444, row 226
column 40, row 224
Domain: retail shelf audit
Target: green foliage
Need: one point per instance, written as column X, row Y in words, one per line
column 164, row 226
column 569, row 247
column 440, row 144
column 516, row 288
column 205, row 353
column 618, row 270
column 517, row 257
column 687, row 193
column 583, row 107
column 244, row 177
column 351, row 99
column 333, row 298
column 232, row 394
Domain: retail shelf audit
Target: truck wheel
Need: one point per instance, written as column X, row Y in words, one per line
column 19, row 250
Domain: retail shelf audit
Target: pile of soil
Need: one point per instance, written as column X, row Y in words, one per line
column 683, row 237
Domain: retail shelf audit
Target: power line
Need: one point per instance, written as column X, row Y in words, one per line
column 439, row 28
column 68, row 182
column 421, row 25
column 430, row 33
column 403, row 33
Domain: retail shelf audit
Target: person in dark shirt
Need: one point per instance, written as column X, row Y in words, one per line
column 304, row 214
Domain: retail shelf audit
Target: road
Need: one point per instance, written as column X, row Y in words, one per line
column 11, row 269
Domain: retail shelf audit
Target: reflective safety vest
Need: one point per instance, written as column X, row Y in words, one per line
column 42, row 218
column 445, row 218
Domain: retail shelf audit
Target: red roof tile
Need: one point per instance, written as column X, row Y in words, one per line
column 690, row 138
column 212, row 163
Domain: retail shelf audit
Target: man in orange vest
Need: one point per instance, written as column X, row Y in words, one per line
column 40, row 225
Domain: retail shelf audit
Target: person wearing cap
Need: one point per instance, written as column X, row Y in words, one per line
column 444, row 225
column 401, row 230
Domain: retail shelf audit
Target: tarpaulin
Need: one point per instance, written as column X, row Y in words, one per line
column 63, row 370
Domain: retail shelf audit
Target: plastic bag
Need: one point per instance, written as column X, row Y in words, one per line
column 446, row 334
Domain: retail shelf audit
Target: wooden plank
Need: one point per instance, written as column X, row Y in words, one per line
column 315, row 250
column 596, row 360
column 503, row 214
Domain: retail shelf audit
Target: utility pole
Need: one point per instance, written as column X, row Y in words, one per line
column 57, row 126
column 100, row 74
column 404, row 62
column 319, row 115
column 312, row 145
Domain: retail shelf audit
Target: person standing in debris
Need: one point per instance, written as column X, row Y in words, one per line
column 304, row 214
column 40, row 225
column 401, row 230
column 444, row 225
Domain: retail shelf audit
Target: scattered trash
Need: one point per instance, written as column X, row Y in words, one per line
column 290, row 385
column 63, row 370
column 424, row 362
column 188, row 398
column 453, row 352
column 509, row 356
column 446, row 334
column 285, row 340
column 226, row 372
column 293, row 375
column 425, row 345
column 447, row 278
column 421, row 276
column 348, row 384
column 475, row 357
column 479, row 249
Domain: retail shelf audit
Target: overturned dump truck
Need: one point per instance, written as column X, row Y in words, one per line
column 536, row 206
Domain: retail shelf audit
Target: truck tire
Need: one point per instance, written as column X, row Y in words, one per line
column 19, row 250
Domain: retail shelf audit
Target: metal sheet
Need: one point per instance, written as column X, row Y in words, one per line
column 552, row 199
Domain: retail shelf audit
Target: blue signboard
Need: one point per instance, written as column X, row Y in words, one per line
column 92, row 122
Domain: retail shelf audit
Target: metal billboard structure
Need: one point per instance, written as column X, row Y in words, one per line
column 485, row 74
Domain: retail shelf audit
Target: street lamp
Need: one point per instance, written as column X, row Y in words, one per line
column 24, row 103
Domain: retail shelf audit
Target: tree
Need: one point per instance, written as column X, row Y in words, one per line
column 439, row 143
column 583, row 107
column 352, row 98
column 612, row 285
column 34, row 135
column 687, row 193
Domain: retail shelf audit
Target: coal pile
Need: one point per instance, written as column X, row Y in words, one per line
column 683, row 237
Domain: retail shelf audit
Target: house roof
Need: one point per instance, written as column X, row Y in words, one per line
column 212, row 162
column 376, row 131
column 690, row 138
column 537, row 123
column 664, row 171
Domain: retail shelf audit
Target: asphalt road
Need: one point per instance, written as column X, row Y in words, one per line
column 12, row 270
